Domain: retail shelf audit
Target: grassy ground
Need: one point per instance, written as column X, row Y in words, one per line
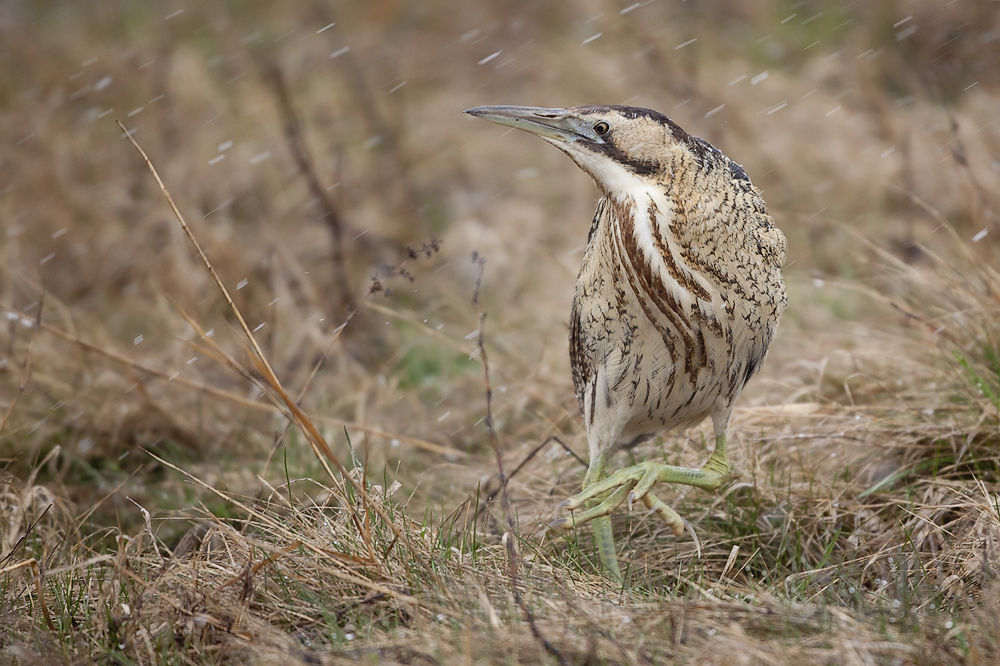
column 162, row 500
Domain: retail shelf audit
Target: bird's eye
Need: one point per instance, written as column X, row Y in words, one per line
column 602, row 128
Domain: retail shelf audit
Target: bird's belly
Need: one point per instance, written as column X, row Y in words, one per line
column 658, row 392
column 647, row 384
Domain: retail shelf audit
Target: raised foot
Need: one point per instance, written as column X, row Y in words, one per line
column 636, row 483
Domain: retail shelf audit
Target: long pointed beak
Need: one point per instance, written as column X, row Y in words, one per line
column 553, row 124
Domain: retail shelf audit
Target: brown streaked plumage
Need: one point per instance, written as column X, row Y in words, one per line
column 678, row 297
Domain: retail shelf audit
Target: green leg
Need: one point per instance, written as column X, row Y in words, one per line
column 604, row 538
column 605, row 541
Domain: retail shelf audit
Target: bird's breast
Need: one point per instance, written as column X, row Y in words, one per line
column 660, row 315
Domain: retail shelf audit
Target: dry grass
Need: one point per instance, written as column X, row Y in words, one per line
column 160, row 501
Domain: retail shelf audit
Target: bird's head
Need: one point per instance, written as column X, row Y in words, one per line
column 616, row 145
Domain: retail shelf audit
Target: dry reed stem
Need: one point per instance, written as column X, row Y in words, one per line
column 320, row 447
column 315, row 439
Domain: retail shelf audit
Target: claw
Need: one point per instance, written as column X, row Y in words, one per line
column 631, row 499
column 540, row 532
column 565, row 503
column 561, row 524
column 694, row 537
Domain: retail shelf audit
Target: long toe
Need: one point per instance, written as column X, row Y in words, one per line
column 610, row 503
column 668, row 515
column 650, row 476
column 628, row 476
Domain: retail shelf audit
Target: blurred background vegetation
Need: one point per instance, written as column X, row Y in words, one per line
column 319, row 152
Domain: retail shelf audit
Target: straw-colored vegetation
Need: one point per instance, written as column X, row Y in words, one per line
column 165, row 498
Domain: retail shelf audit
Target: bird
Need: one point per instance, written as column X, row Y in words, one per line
column 677, row 300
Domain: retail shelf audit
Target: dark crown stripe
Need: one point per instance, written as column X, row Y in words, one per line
column 708, row 156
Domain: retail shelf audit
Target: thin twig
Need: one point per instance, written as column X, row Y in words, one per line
column 490, row 429
column 533, row 453
column 484, row 502
column 510, row 537
column 20, row 542
column 307, row 167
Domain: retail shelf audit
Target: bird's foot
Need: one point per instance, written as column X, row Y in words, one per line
column 629, row 484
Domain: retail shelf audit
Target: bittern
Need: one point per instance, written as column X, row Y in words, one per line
column 677, row 300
